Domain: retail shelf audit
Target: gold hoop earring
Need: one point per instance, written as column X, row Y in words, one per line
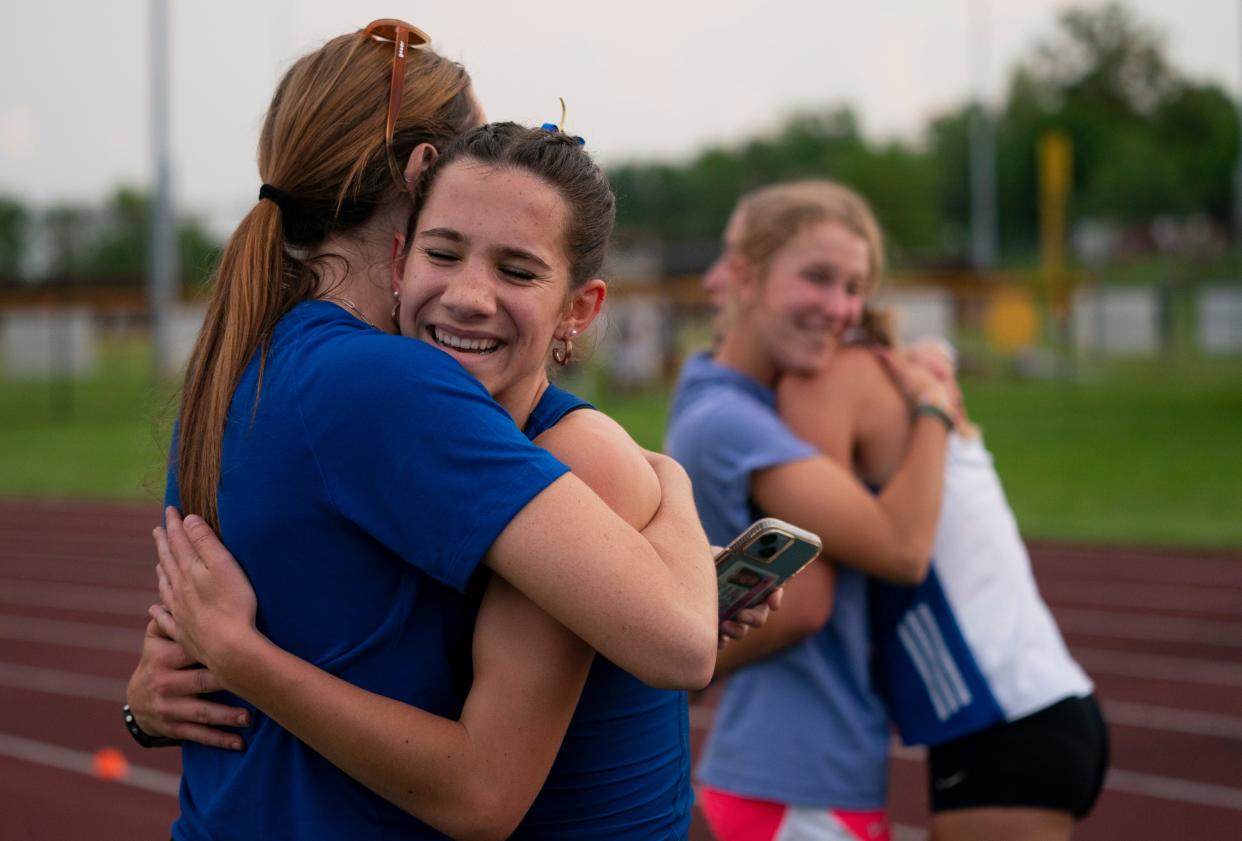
column 396, row 307
column 562, row 355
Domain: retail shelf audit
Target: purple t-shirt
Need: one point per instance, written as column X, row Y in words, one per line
column 803, row 726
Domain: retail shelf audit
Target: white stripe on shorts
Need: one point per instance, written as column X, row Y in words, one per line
column 803, row 824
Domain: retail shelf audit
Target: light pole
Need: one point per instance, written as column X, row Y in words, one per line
column 982, row 145
column 162, row 249
column 1237, row 166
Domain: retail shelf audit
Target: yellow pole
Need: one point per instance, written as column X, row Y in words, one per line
column 1055, row 170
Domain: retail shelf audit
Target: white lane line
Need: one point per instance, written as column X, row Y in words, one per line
column 44, row 565
column 1148, row 596
column 1171, row 788
column 1172, row 720
column 1130, row 782
column 1126, row 556
column 1125, row 713
column 126, row 602
column 1170, row 572
column 91, row 540
column 1159, row 668
column 162, row 782
column 70, row 634
column 57, row 682
column 1144, row 626
column 1133, row 782
column 81, row 762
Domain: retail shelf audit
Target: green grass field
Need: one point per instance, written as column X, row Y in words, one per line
column 105, row 437
column 1135, row 453
column 1138, row 453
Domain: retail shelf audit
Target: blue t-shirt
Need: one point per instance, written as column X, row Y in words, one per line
column 359, row 496
column 623, row 771
column 803, row 726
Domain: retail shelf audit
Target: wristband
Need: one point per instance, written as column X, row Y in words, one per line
column 141, row 736
column 932, row 410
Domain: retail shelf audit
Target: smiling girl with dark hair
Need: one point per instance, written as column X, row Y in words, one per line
column 508, row 233
column 363, row 480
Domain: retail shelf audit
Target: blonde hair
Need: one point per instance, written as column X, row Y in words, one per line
column 322, row 146
column 772, row 216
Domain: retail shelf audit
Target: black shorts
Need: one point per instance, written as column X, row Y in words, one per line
column 1053, row 759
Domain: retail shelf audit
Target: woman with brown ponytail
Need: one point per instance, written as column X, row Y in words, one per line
column 361, row 479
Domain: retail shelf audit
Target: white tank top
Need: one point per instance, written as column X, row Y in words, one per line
column 974, row 644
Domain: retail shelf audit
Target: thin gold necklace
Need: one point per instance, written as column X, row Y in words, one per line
column 351, row 306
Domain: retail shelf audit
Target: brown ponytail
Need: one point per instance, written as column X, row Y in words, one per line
column 246, row 303
column 323, row 147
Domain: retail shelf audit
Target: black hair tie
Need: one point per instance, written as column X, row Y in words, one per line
column 282, row 199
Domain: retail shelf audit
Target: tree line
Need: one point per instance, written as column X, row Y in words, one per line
column 106, row 243
column 1149, row 143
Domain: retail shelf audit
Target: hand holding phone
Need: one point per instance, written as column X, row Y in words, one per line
column 758, row 561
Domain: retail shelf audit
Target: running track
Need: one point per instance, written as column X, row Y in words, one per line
column 1159, row 631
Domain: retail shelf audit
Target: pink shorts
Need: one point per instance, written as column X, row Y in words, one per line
column 735, row 818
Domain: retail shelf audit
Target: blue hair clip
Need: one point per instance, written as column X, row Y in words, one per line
column 554, row 129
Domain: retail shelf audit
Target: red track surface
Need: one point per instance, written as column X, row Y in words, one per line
column 1160, row 632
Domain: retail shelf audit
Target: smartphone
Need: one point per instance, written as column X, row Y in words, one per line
column 759, row 560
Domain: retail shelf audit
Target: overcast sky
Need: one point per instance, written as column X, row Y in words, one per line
column 643, row 78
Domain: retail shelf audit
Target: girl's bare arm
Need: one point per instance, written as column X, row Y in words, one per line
column 472, row 778
column 888, row 536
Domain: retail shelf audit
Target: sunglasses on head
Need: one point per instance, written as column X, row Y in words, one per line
column 402, row 36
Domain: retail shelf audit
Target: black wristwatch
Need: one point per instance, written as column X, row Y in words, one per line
column 141, row 736
column 936, row 412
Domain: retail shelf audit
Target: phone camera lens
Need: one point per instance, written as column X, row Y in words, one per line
column 768, row 546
